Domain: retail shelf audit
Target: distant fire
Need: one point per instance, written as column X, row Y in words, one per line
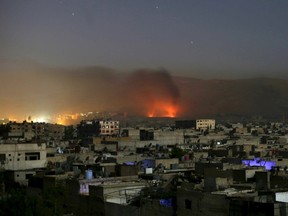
column 66, row 119
column 162, row 109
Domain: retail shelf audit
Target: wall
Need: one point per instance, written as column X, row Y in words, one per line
column 199, row 203
column 166, row 162
column 16, row 153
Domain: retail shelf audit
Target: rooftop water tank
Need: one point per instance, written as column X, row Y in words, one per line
column 88, row 174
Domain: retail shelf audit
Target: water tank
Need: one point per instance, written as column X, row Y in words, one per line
column 88, row 174
column 148, row 170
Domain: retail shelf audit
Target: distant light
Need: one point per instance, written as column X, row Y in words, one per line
column 258, row 162
column 129, row 163
column 41, row 119
column 166, row 202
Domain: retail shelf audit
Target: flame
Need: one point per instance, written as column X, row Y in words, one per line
column 162, row 109
column 65, row 119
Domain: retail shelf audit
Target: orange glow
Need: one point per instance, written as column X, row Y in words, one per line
column 66, row 119
column 162, row 109
column 12, row 119
column 60, row 122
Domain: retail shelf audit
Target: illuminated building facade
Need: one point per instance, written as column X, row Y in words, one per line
column 203, row 124
column 198, row 124
column 109, row 128
column 94, row 128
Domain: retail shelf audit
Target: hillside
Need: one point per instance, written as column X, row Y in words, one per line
column 259, row 96
column 33, row 90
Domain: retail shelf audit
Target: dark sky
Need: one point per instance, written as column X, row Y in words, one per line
column 70, row 56
column 206, row 38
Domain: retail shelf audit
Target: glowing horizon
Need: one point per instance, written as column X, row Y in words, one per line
column 163, row 109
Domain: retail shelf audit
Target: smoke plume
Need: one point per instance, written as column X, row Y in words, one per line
column 36, row 90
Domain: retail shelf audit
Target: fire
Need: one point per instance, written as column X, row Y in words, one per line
column 162, row 109
column 66, row 118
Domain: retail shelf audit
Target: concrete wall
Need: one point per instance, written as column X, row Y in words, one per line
column 147, row 207
column 215, row 179
column 166, row 162
column 281, row 197
column 262, row 180
column 201, row 166
column 201, row 204
column 119, row 193
column 16, row 156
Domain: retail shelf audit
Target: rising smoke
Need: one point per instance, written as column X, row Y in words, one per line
column 38, row 90
column 151, row 92
column 29, row 90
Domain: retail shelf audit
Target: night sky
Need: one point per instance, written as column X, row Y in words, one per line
column 206, row 38
column 70, row 56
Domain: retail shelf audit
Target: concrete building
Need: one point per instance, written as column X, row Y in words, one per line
column 22, row 156
column 20, row 160
column 94, row 128
column 88, row 129
column 198, row 124
column 109, row 128
column 29, row 131
column 203, row 124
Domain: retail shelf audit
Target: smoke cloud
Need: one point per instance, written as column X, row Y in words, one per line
column 151, row 93
column 36, row 90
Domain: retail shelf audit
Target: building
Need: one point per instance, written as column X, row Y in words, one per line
column 20, row 160
column 109, row 128
column 88, row 128
column 36, row 130
column 203, row 124
column 198, row 124
column 94, row 128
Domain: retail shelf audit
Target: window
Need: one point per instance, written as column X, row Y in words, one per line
column 188, row 204
column 28, row 176
column 32, row 156
column 2, row 157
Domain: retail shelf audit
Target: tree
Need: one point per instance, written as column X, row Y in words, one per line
column 69, row 132
column 4, row 130
column 177, row 153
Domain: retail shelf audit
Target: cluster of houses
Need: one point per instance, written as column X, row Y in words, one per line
column 194, row 167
